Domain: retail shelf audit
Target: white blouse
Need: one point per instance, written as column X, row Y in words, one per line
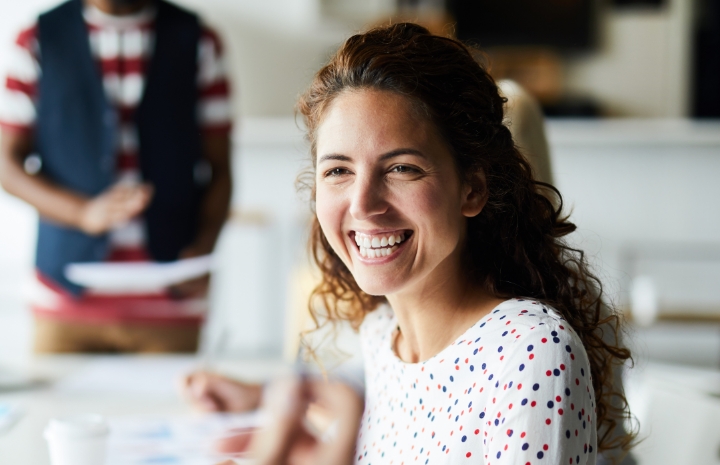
column 514, row 389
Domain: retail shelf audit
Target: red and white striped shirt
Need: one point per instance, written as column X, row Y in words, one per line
column 122, row 47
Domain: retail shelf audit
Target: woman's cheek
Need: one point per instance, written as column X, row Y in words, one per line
column 329, row 217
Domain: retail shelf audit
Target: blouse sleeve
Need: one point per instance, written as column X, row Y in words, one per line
column 542, row 410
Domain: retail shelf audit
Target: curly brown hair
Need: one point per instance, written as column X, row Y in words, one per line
column 515, row 246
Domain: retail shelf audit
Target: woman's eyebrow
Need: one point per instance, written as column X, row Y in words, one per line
column 402, row 151
column 384, row 156
column 334, row 156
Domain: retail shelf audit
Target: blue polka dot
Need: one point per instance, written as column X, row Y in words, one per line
column 472, row 368
column 540, row 455
column 522, row 366
column 530, row 348
column 497, row 422
column 556, row 340
column 498, row 455
column 524, row 401
column 525, row 446
column 457, row 359
column 491, row 377
column 550, row 404
column 444, row 389
column 475, row 352
column 554, row 333
column 452, row 379
column 536, row 386
column 567, row 434
column 483, row 366
column 500, row 349
column 431, row 376
column 464, row 438
column 567, row 391
column 568, row 348
column 556, row 372
column 582, row 372
column 504, row 334
column 482, row 414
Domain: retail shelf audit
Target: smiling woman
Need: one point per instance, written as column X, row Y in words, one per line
column 481, row 328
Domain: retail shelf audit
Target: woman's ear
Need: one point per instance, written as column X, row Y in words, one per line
column 474, row 195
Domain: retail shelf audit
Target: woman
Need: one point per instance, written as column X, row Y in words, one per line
column 481, row 327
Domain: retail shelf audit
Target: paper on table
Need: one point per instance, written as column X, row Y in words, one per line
column 154, row 375
column 9, row 415
column 177, row 440
column 136, row 277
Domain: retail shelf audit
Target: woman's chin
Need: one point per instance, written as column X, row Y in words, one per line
column 376, row 286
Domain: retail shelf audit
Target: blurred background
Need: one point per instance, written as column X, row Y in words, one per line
column 631, row 92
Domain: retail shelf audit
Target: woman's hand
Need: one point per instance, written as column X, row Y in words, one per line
column 211, row 392
column 307, row 422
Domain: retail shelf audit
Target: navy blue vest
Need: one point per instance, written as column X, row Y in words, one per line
column 76, row 134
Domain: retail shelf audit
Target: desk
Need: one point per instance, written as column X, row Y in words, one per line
column 24, row 444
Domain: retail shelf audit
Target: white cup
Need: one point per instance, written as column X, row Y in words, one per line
column 77, row 440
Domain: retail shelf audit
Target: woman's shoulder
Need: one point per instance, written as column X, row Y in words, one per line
column 527, row 324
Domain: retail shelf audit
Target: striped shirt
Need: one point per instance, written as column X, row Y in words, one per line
column 122, row 46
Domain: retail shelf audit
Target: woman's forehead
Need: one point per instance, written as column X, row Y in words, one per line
column 371, row 121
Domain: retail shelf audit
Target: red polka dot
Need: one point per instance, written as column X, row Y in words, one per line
column 558, row 398
column 545, row 447
column 560, row 411
column 562, row 367
column 544, row 340
column 533, row 404
column 469, row 454
column 547, row 422
column 520, row 386
column 477, row 431
column 532, row 356
column 548, row 373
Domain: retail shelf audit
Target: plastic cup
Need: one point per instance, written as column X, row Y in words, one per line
column 77, row 440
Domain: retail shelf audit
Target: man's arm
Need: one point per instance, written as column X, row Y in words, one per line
column 216, row 202
column 55, row 203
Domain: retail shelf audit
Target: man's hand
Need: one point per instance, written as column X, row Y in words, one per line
column 211, row 392
column 117, row 205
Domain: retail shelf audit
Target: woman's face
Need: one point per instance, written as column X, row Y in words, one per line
column 389, row 199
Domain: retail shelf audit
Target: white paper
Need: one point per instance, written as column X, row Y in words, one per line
column 9, row 415
column 136, row 277
column 176, row 440
column 128, row 375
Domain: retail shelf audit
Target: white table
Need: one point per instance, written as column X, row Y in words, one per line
column 64, row 394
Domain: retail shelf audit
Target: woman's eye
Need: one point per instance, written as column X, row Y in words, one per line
column 336, row 172
column 403, row 169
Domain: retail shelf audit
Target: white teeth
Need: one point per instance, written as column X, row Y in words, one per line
column 378, row 246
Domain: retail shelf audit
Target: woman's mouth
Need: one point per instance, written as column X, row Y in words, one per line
column 380, row 245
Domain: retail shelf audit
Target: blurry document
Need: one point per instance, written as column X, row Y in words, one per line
column 174, row 440
column 136, row 277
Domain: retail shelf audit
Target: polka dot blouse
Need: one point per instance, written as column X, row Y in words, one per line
column 515, row 389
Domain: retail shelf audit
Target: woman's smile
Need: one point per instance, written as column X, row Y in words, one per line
column 379, row 247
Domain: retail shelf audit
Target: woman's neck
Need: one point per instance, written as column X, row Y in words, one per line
column 434, row 313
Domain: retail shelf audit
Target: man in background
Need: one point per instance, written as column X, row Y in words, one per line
column 115, row 124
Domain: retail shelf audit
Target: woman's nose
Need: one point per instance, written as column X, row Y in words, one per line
column 368, row 198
